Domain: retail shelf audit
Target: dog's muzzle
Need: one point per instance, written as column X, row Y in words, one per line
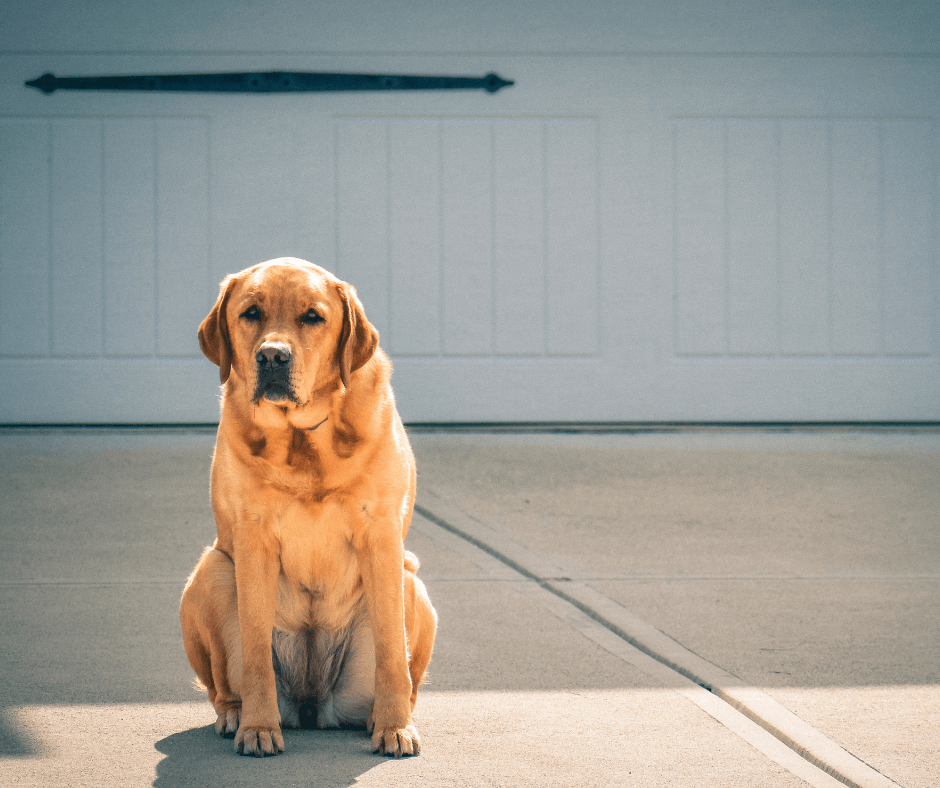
column 275, row 362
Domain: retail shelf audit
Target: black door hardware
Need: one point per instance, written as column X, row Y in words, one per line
column 268, row 82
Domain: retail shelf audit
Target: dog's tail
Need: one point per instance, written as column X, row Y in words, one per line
column 411, row 562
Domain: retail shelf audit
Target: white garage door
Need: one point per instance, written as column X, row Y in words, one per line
column 687, row 213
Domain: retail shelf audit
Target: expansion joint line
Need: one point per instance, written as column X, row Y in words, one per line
column 758, row 707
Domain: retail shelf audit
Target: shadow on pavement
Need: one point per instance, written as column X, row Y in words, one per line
column 200, row 757
column 14, row 742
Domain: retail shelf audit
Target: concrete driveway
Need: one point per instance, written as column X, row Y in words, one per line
column 707, row 608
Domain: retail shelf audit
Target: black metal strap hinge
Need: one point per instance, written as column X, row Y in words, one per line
column 268, row 82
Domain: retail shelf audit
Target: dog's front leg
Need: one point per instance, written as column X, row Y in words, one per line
column 381, row 559
column 257, row 566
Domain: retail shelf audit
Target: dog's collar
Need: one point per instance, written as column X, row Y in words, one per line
column 311, row 429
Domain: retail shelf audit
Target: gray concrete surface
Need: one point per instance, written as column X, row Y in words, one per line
column 806, row 565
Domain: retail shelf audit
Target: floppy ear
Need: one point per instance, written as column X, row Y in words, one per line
column 213, row 332
column 358, row 339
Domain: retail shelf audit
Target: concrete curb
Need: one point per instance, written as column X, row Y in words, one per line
column 757, row 706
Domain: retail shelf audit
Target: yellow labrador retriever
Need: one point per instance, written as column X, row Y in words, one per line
column 306, row 612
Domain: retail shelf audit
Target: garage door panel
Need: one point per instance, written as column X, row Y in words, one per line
column 414, row 216
column 271, row 170
column 571, row 238
column 800, row 390
column 699, row 253
column 462, row 390
column 24, row 237
column 751, row 152
column 105, row 230
column 518, row 238
column 910, row 235
column 854, row 237
column 129, row 238
column 109, row 391
column 362, row 213
column 77, row 233
column 466, row 238
column 471, row 237
column 786, row 244
column 182, row 235
column 803, row 278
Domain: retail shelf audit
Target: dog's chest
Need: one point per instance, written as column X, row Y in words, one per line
column 321, row 583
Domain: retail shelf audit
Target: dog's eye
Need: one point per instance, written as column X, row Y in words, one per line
column 310, row 318
column 252, row 314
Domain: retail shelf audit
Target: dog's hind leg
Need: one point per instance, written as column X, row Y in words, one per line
column 209, row 616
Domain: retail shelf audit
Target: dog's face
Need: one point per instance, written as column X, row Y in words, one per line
column 289, row 331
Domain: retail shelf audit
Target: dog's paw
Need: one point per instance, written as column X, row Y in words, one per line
column 396, row 741
column 259, row 741
column 227, row 723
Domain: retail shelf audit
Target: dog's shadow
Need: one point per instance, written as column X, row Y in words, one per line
column 325, row 758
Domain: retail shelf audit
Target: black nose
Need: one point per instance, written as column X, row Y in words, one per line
column 273, row 354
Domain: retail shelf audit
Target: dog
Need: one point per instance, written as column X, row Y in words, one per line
column 306, row 611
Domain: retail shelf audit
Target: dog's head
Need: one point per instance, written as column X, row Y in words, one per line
column 288, row 330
